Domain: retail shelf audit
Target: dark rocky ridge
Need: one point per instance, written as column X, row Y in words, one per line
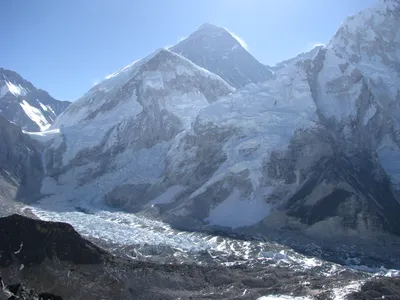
column 383, row 288
column 33, row 241
column 18, row 291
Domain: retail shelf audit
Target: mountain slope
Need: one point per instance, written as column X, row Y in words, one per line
column 21, row 170
column 302, row 56
column 23, row 104
column 370, row 40
column 216, row 50
column 166, row 138
column 281, row 155
column 120, row 131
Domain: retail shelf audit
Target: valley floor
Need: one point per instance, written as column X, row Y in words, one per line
column 249, row 269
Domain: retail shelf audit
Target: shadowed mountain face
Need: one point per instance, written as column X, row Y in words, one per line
column 23, row 104
column 21, row 167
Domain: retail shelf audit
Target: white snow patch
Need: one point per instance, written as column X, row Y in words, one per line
column 185, row 105
column 35, row 115
column 124, row 69
column 167, row 196
column 15, row 90
column 50, row 109
column 338, row 94
column 369, row 114
column 20, row 248
column 340, row 293
column 271, row 255
column 153, row 80
column 235, row 211
column 44, row 136
column 382, row 271
column 290, row 258
column 44, row 107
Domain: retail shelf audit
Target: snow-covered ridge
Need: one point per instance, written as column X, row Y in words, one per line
column 121, row 77
column 161, row 83
column 13, row 89
column 35, row 115
column 25, row 105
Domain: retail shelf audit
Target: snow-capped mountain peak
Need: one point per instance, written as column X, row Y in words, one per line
column 153, row 100
column 217, row 50
column 209, row 31
column 23, row 104
column 13, row 83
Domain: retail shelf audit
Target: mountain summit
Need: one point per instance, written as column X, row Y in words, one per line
column 216, row 50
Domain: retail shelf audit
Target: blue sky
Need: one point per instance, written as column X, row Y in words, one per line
column 65, row 47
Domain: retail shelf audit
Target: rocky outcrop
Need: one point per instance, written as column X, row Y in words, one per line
column 382, row 288
column 29, row 242
column 339, row 193
column 18, row 291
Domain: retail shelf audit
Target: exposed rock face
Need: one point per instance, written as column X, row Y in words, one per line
column 19, row 292
column 50, row 259
column 23, row 104
column 31, row 242
column 337, row 193
column 383, row 288
column 21, row 169
column 216, row 50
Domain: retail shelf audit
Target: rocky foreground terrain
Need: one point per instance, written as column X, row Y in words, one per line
column 40, row 260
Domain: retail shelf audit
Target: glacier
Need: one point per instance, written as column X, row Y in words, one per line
column 309, row 151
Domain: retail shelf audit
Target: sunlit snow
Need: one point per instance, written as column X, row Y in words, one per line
column 236, row 212
column 35, row 115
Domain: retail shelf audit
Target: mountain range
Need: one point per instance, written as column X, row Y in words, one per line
column 203, row 137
